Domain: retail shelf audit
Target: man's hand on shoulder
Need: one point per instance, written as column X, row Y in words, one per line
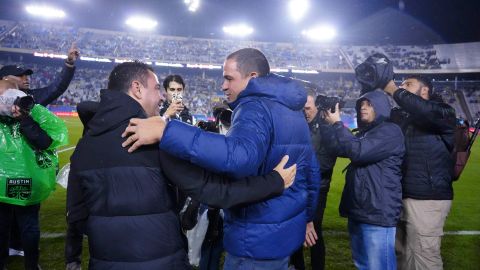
column 143, row 132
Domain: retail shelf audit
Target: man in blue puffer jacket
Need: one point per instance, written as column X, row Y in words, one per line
column 372, row 196
column 267, row 123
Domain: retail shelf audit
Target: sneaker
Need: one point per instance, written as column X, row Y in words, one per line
column 15, row 252
column 74, row 266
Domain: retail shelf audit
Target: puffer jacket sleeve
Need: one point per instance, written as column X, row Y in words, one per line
column 374, row 147
column 218, row 190
column 240, row 153
column 46, row 95
column 437, row 116
column 313, row 186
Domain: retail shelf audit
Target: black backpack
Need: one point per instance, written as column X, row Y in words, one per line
column 463, row 143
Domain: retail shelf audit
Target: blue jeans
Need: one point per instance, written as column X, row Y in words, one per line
column 240, row 263
column 373, row 247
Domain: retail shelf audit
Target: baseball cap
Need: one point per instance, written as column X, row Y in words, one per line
column 14, row 70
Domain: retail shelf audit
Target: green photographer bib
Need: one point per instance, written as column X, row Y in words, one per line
column 27, row 176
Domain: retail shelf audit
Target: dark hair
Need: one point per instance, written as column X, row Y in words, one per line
column 423, row 80
column 124, row 74
column 172, row 78
column 250, row 60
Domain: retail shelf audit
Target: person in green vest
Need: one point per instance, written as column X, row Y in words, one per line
column 29, row 135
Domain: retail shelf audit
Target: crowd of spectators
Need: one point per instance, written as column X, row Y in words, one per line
column 203, row 90
column 403, row 57
column 110, row 44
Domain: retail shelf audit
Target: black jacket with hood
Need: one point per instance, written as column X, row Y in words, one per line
column 429, row 127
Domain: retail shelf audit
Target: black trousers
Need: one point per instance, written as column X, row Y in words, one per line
column 28, row 222
column 317, row 251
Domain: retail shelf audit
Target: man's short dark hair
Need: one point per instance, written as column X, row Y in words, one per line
column 423, row 80
column 250, row 60
column 124, row 74
column 173, row 78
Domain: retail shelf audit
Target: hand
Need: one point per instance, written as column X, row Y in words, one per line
column 310, row 235
column 288, row 174
column 73, row 53
column 330, row 117
column 390, row 88
column 143, row 131
column 17, row 112
column 175, row 107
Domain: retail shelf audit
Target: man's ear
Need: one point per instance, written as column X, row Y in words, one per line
column 136, row 89
column 254, row 74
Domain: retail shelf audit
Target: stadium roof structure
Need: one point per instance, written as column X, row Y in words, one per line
column 398, row 22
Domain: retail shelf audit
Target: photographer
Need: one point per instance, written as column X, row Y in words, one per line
column 372, row 196
column 30, row 135
column 173, row 107
column 327, row 161
column 428, row 124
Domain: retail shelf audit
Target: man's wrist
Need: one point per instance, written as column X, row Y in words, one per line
column 69, row 63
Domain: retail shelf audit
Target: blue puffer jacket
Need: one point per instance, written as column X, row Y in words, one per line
column 373, row 189
column 267, row 124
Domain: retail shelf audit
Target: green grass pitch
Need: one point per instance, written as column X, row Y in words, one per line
column 458, row 251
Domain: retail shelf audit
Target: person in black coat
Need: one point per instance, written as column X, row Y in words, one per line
column 429, row 127
column 44, row 95
column 129, row 197
column 372, row 196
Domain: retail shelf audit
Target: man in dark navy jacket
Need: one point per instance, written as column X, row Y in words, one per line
column 428, row 124
column 372, row 196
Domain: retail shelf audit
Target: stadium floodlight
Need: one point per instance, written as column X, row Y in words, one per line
column 320, row 33
column 141, row 23
column 45, row 12
column 239, row 30
column 298, row 9
column 192, row 5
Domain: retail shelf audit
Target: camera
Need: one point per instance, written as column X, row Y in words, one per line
column 177, row 97
column 15, row 97
column 222, row 116
column 324, row 103
column 208, row 126
column 374, row 73
column 25, row 103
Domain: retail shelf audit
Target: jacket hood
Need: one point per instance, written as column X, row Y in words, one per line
column 286, row 91
column 115, row 108
column 381, row 106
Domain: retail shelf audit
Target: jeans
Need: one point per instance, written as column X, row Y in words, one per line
column 373, row 247
column 28, row 222
column 240, row 263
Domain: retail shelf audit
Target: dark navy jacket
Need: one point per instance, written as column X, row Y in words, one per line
column 125, row 198
column 46, row 95
column 373, row 190
column 429, row 127
column 267, row 123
